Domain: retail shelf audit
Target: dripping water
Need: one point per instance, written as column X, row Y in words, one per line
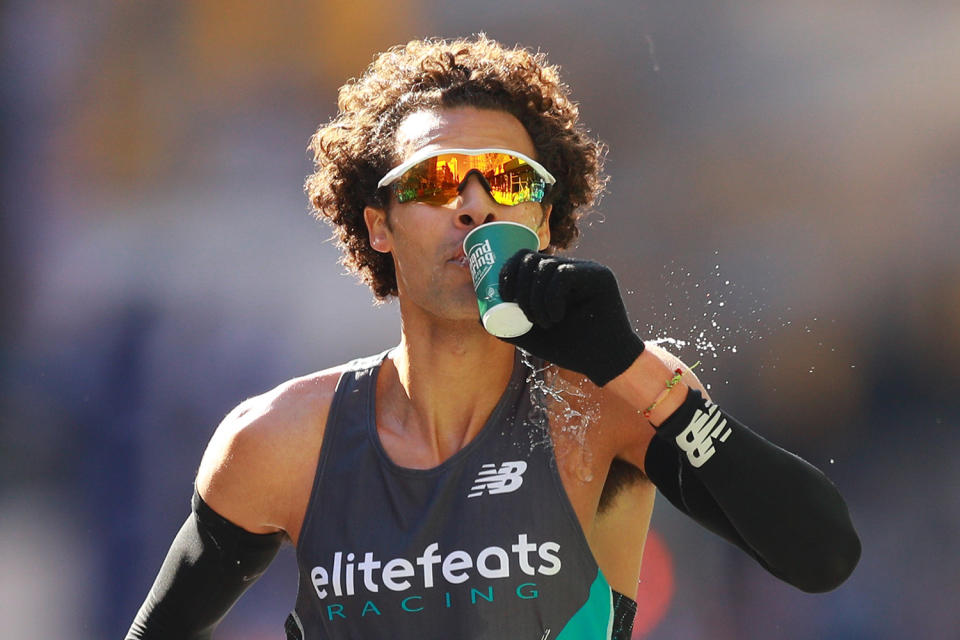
column 551, row 410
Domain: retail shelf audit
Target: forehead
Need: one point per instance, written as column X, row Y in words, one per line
column 464, row 128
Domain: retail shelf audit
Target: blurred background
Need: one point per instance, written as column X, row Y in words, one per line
column 783, row 207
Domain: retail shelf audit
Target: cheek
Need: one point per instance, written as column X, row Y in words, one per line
column 413, row 247
column 533, row 216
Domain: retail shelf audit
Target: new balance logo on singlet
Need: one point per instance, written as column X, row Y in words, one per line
column 492, row 480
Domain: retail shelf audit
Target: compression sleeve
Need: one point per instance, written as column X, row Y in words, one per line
column 779, row 508
column 208, row 567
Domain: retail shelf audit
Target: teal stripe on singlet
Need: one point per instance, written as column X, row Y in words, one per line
column 594, row 620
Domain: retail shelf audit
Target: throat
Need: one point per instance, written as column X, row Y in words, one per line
column 424, row 418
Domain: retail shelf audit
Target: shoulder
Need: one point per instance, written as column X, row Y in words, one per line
column 264, row 452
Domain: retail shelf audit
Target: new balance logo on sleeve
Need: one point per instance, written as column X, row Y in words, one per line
column 506, row 479
column 698, row 438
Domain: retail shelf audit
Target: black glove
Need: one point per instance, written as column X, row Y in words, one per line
column 579, row 322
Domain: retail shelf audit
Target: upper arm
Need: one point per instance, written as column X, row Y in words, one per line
column 259, row 463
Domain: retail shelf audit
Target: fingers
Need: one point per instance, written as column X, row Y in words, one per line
column 546, row 287
column 529, row 279
column 526, row 273
column 509, row 274
column 558, row 291
column 536, row 302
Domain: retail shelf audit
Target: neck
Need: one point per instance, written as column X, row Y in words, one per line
column 441, row 386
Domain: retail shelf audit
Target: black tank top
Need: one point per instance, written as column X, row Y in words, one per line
column 484, row 546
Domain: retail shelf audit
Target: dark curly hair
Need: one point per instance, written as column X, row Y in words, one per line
column 355, row 149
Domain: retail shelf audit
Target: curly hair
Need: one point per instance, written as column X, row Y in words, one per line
column 357, row 147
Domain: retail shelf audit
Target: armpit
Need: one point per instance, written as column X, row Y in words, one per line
column 622, row 475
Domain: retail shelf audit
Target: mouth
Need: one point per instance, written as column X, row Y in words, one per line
column 460, row 259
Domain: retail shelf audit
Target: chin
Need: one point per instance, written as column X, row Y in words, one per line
column 458, row 306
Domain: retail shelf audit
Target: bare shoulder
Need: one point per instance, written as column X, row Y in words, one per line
column 261, row 458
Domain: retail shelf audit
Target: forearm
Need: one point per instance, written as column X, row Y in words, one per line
column 781, row 509
column 640, row 385
column 210, row 564
column 773, row 504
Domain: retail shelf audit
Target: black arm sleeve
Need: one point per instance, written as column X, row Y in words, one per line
column 774, row 505
column 208, row 567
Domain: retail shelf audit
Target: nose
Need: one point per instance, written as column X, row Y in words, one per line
column 475, row 205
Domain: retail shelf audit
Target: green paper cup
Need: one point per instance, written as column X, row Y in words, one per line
column 487, row 248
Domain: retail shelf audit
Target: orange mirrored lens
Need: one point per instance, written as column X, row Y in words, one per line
column 508, row 179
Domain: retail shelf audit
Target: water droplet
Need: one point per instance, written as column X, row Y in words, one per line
column 551, row 410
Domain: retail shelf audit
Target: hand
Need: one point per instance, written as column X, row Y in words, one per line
column 579, row 321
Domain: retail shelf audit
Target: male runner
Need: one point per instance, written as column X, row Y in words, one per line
column 444, row 488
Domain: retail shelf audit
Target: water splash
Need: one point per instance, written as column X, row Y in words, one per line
column 552, row 411
column 701, row 316
column 712, row 315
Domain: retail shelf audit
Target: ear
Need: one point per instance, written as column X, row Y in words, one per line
column 377, row 229
column 543, row 231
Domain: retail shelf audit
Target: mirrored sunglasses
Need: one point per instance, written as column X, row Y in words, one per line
column 437, row 177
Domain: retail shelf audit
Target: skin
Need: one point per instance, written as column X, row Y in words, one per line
column 437, row 390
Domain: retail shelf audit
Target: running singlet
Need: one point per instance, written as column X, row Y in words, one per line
column 484, row 546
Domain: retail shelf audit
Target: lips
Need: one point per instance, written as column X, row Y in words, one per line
column 460, row 258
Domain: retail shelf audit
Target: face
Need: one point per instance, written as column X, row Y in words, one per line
column 426, row 240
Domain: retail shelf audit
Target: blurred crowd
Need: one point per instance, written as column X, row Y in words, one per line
column 784, row 206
